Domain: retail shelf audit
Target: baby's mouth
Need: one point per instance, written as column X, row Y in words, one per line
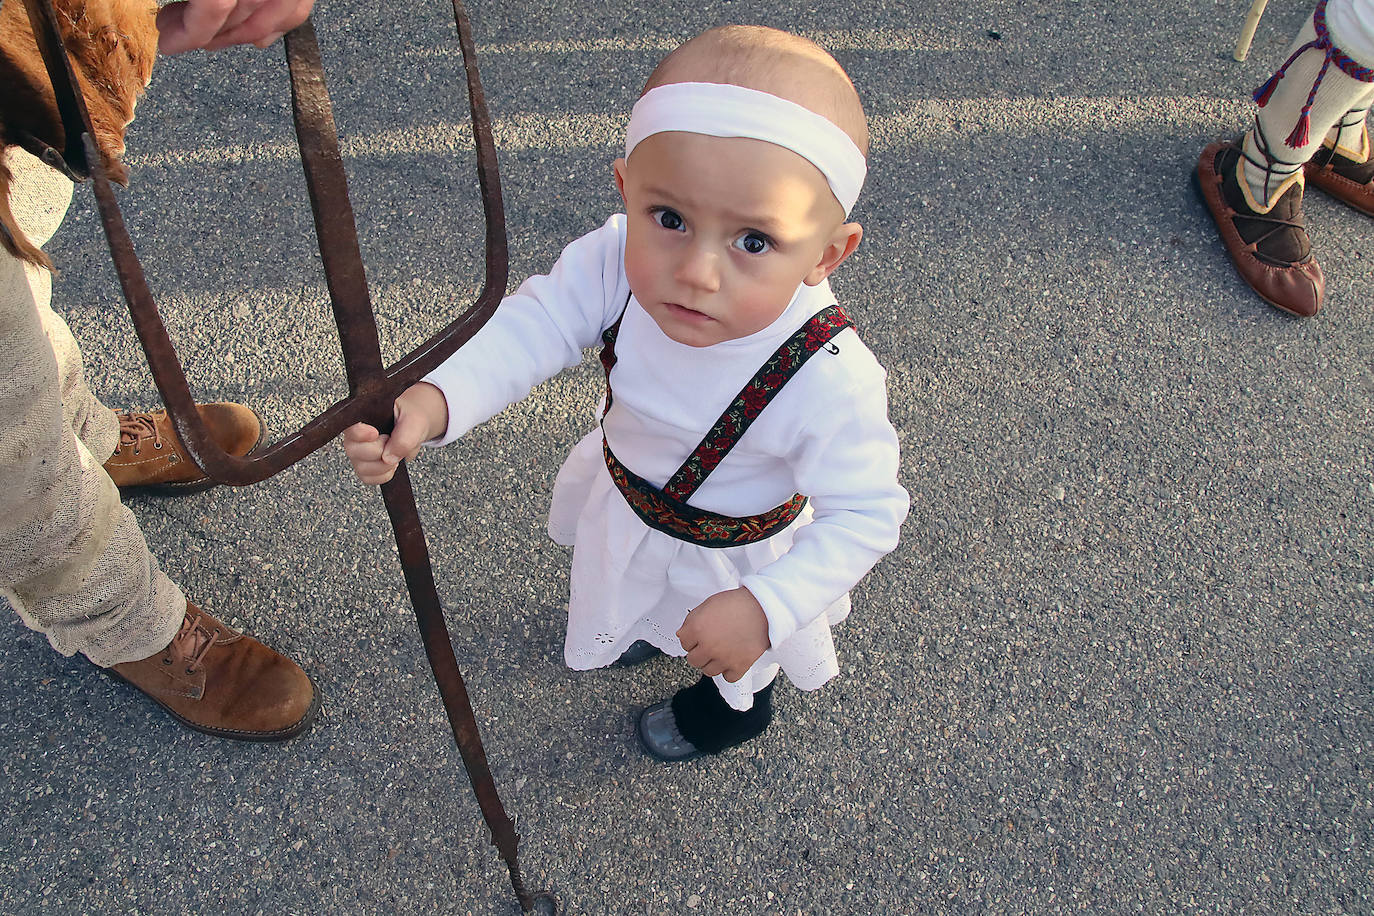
column 683, row 311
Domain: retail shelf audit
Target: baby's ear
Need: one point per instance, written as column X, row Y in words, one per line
column 618, row 170
column 841, row 245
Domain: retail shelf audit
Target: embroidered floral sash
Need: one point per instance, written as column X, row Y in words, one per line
column 667, row 510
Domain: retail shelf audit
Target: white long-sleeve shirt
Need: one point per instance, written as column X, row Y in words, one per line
column 826, row 435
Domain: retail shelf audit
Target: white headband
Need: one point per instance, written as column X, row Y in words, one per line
column 723, row 110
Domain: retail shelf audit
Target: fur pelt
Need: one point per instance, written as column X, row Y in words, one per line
column 112, row 45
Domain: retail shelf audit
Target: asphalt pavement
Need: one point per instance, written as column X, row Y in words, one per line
column 1119, row 663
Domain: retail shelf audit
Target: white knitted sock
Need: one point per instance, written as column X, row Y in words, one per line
column 1350, row 135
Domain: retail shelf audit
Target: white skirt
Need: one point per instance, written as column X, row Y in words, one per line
column 631, row 582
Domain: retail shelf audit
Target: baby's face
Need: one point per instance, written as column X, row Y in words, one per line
column 721, row 232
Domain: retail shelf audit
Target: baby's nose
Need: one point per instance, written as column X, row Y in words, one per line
column 699, row 269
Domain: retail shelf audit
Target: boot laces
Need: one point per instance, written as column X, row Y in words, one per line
column 192, row 642
column 135, row 428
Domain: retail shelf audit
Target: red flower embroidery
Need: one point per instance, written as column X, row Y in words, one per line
column 754, row 399
column 773, row 381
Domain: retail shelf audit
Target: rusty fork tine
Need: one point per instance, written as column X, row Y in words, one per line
column 335, row 226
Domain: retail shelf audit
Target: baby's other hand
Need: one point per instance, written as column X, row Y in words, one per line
column 725, row 634
column 421, row 414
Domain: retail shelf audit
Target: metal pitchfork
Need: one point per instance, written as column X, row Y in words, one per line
column 372, row 387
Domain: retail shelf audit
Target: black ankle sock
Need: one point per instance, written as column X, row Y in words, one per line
column 706, row 720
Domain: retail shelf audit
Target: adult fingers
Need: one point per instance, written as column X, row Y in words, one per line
column 269, row 21
column 192, row 23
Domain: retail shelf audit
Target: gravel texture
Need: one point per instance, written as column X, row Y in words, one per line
column 1120, row 661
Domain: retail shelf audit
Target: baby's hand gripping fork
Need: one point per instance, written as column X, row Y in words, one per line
column 372, row 387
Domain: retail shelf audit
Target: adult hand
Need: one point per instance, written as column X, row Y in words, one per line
column 212, row 24
column 725, row 634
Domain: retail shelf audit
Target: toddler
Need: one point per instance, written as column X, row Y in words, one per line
column 743, row 476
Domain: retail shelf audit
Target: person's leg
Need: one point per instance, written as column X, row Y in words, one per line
column 1326, row 78
column 93, row 424
column 73, row 562
column 1349, row 137
column 1254, row 188
column 1344, row 165
column 62, row 525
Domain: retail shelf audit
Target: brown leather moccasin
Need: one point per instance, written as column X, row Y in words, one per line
column 150, row 457
column 1270, row 250
column 1343, row 178
column 218, row 681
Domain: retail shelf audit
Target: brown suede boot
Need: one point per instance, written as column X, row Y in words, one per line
column 150, row 457
column 1343, row 178
column 215, row 680
column 1271, row 250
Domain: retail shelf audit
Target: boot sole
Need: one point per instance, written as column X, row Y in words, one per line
column 281, row 734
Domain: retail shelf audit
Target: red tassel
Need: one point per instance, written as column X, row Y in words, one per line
column 1263, row 93
column 1298, row 138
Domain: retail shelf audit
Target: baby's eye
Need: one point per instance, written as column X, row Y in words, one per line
column 668, row 219
column 753, row 242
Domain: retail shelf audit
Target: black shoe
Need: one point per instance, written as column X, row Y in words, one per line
column 696, row 721
column 638, row 653
column 659, row 737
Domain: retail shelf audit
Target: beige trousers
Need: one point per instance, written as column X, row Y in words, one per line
column 73, row 561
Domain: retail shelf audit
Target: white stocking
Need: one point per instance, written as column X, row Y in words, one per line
column 1310, row 99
